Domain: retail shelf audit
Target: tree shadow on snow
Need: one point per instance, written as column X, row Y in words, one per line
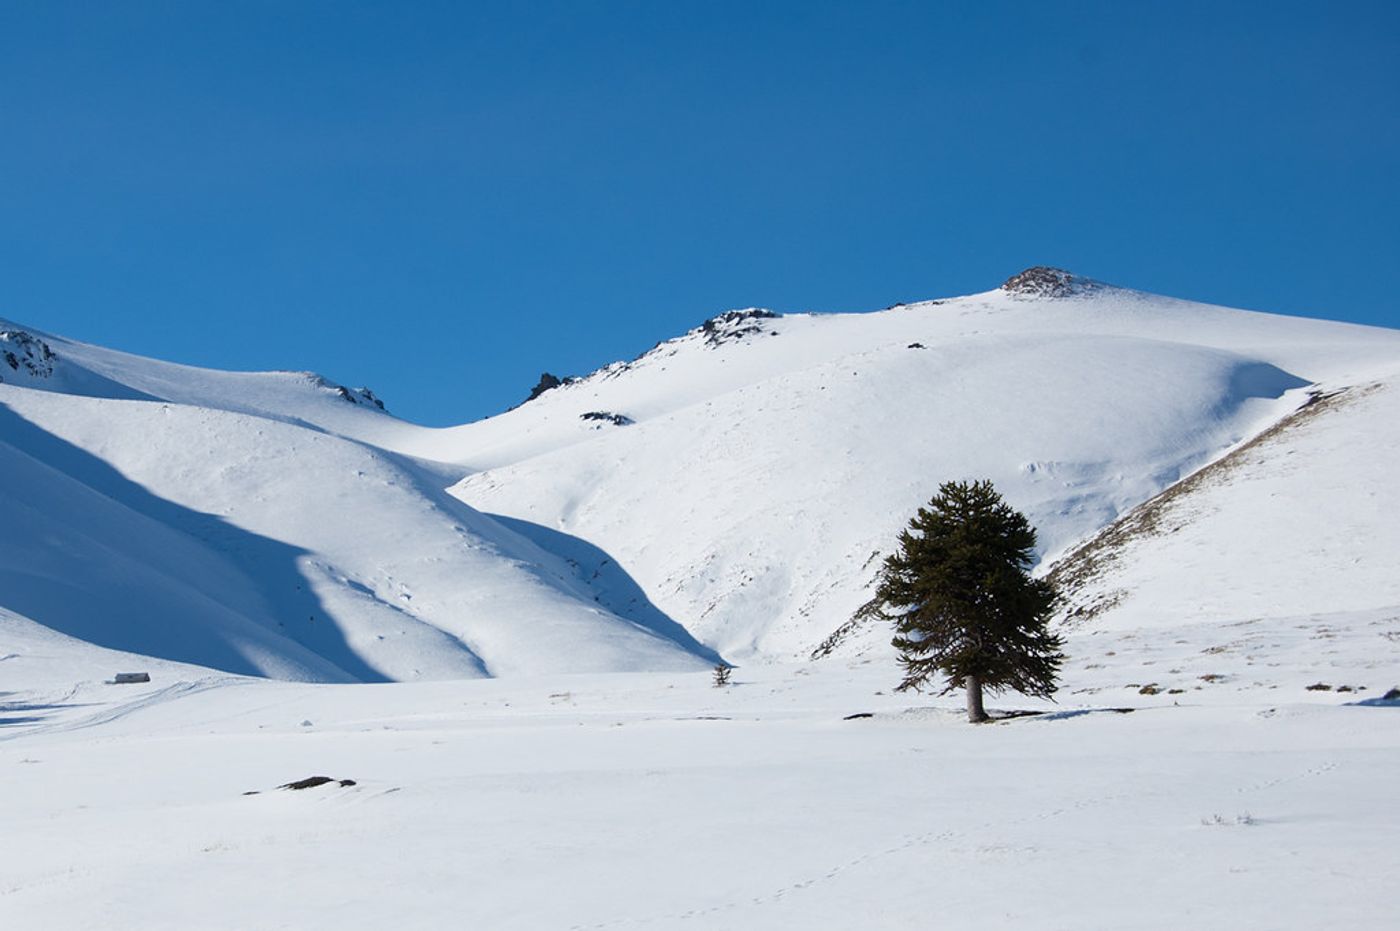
column 13, row 713
column 1063, row 715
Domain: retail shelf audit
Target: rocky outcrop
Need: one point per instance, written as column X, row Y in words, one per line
column 735, row 324
column 548, row 382
column 1044, row 281
column 25, row 353
column 602, row 417
column 362, row 396
column 359, row 396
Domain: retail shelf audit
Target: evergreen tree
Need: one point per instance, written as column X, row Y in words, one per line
column 963, row 603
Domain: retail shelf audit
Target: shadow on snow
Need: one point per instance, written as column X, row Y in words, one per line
column 292, row 615
column 611, row 585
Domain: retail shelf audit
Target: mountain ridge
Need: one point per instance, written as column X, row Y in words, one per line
column 723, row 494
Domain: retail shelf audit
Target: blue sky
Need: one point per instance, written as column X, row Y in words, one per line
column 442, row 200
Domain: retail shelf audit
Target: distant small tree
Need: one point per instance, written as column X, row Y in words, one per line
column 963, row 602
column 722, row 672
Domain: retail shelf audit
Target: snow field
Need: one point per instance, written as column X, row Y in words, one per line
column 657, row 801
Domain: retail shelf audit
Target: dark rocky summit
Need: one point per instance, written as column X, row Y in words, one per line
column 547, row 382
column 735, row 324
column 1044, row 281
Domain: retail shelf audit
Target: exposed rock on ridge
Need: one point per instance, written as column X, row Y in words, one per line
column 734, row 324
column 1044, row 281
column 22, row 351
column 353, row 395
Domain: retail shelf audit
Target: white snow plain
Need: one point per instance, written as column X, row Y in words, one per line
column 573, row 767
column 658, row 801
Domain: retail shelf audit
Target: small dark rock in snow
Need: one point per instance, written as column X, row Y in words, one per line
column 620, row 420
column 917, row 346
column 311, row 782
column 1392, row 695
column 1319, row 687
column 128, row 678
column 858, row 715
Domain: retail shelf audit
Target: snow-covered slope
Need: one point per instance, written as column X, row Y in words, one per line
column 731, row 490
column 232, row 534
column 1221, row 752
column 770, row 461
column 35, row 359
column 1299, row 521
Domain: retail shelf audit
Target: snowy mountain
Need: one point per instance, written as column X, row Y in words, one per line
column 728, row 493
column 1214, row 490
column 1296, row 523
column 217, row 519
column 768, row 470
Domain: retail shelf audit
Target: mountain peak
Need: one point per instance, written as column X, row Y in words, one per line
column 735, row 324
column 26, row 353
column 1045, row 281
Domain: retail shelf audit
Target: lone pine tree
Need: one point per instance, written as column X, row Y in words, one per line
column 963, row 602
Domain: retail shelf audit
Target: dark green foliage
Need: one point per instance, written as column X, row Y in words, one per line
column 962, row 601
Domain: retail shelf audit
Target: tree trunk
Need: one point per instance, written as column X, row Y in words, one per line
column 976, row 714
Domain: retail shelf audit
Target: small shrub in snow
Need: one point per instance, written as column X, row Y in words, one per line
column 722, row 674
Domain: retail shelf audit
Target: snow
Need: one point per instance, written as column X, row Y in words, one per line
column 658, row 801
column 502, row 633
column 1301, row 523
column 254, row 545
column 765, row 477
column 736, row 504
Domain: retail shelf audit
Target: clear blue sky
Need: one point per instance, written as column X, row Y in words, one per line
column 442, row 200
